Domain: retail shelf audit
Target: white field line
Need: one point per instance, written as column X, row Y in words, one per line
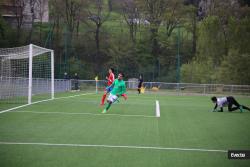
column 43, row 101
column 70, row 113
column 157, row 109
column 114, row 146
column 120, row 103
column 140, row 97
column 74, row 96
column 14, row 108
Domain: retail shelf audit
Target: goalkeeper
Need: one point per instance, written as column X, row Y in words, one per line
column 227, row 101
column 119, row 88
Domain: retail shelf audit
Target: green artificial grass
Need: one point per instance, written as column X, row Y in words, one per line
column 129, row 134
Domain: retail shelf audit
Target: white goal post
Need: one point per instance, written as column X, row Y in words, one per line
column 26, row 75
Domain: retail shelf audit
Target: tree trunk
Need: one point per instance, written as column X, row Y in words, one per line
column 194, row 34
column 97, row 38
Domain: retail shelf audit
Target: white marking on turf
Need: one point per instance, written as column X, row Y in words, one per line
column 11, row 109
column 14, row 108
column 114, row 146
column 157, row 109
column 70, row 113
column 74, row 96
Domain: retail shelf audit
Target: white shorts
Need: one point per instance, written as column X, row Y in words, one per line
column 112, row 98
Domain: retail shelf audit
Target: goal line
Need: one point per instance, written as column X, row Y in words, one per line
column 11, row 109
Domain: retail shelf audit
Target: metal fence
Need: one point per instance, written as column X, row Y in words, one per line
column 191, row 88
column 19, row 87
column 175, row 88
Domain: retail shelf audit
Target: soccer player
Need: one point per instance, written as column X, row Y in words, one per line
column 119, row 88
column 227, row 101
column 140, row 84
column 110, row 80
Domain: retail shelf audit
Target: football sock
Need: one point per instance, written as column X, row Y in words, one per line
column 241, row 109
column 103, row 98
column 108, row 106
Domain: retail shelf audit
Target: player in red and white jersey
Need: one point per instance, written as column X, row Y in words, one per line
column 111, row 77
column 110, row 80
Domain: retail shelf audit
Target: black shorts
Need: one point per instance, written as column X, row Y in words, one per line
column 231, row 101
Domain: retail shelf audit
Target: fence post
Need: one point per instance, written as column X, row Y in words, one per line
column 231, row 89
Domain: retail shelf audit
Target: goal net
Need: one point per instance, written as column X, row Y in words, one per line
column 26, row 75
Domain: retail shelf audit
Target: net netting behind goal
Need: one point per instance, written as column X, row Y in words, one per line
column 26, row 75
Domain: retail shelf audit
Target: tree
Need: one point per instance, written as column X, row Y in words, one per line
column 239, row 34
column 65, row 16
column 132, row 17
column 234, row 69
column 154, row 11
column 210, row 41
column 18, row 10
column 175, row 11
column 72, row 16
column 157, row 13
column 41, row 8
column 110, row 4
column 98, row 16
column 222, row 41
column 223, row 10
column 198, row 71
column 31, row 4
column 192, row 16
column 2, row 28
column 38, row 8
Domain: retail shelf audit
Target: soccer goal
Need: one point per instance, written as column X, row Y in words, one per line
column 26, row 75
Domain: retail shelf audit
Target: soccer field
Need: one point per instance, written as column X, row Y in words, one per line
column 72, row 131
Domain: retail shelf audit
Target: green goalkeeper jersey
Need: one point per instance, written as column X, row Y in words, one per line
column 119, row 87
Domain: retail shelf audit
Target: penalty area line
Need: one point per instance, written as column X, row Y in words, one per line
column 115, row 146
column 70, row 113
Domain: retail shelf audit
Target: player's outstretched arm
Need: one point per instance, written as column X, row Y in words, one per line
column 215, row 108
